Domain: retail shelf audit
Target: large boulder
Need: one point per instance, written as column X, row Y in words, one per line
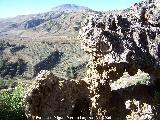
column 50, row 97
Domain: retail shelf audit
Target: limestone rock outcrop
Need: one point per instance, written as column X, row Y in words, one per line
column 124, row 43
column 118, row 44
column 50, row 97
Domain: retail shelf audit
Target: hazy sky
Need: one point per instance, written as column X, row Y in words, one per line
column 10, row 8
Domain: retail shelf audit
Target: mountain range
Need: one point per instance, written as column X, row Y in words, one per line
column 63, row 19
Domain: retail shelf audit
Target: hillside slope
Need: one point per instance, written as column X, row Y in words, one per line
column 35, row 38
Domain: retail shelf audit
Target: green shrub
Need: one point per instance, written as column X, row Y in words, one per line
column 11, row 107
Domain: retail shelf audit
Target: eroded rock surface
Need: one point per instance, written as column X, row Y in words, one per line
column 118, row 44
column 124, row 43
column 50, row 97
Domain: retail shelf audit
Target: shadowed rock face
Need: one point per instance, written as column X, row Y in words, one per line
column 116, row 44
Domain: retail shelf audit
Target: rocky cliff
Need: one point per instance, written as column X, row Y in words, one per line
column 124, row 42
column 118, row 44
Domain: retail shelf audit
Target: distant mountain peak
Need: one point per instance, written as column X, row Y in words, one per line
column 69, row 7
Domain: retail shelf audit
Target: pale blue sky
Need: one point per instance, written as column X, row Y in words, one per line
column 11, row 8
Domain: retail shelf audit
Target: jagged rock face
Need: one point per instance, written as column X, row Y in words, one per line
column 50, row 97
column 118, row 44
column 124, row 42
column 150, row 10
